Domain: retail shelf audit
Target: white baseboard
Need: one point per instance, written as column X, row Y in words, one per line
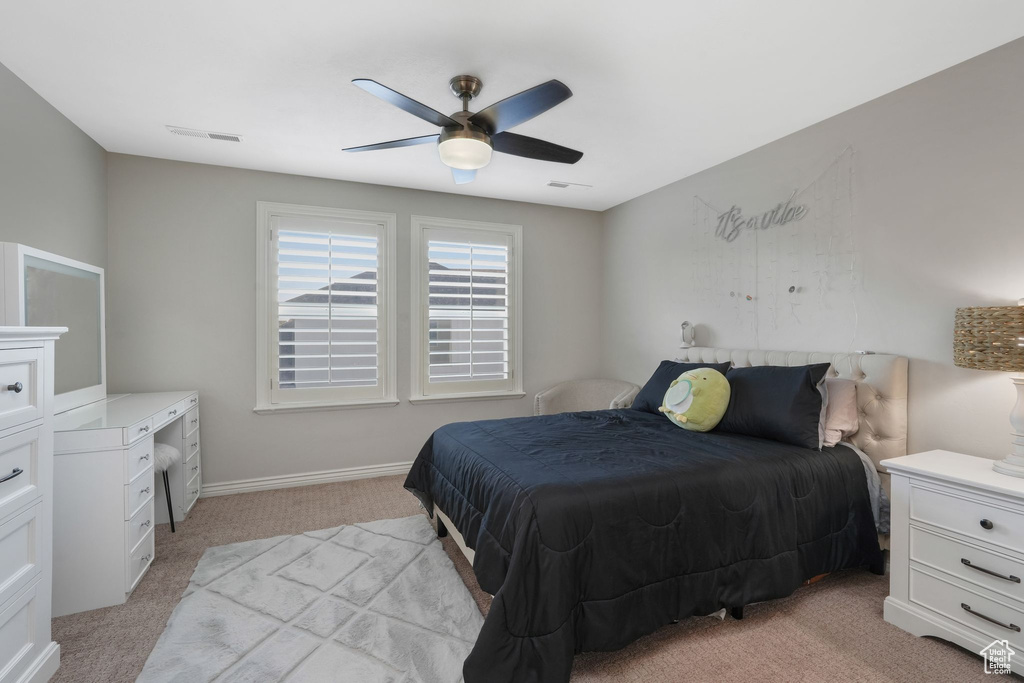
column 226, row 488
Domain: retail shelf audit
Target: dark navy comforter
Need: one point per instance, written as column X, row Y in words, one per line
column 593, row 529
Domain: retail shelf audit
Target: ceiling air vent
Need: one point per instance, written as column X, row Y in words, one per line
column 205, row 134
column 563, row 185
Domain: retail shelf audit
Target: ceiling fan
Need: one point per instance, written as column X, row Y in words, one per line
column 466, row 139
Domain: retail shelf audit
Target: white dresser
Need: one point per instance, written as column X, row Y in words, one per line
column 107, row 495
column 26, row 503
column 957, row 551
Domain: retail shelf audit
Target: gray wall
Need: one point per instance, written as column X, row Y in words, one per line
column 181, row 309
column 52, row 178
column 937, row 219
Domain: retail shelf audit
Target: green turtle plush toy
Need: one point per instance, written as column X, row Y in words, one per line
column 697, row 399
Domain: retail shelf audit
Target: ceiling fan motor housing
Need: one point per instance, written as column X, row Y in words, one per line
column 465, row 87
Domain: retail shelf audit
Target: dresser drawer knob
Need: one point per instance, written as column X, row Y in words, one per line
column 15, row 472
column 173, row 413
column 986, row 524
column 16, row 387
column 967, row 563
column 195, row 468
column 144, row 491
column 144, row 457
column 967, row 608
column 146, row 523
column 146, row 558
column 144, row 429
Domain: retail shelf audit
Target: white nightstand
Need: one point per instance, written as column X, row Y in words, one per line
column 957, row 551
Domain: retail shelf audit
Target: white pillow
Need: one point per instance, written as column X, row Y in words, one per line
column 841, row 418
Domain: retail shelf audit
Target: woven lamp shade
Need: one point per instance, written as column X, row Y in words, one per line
column 989, row 338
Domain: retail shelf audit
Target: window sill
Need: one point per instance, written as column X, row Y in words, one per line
column 318, row 407
column 453, row 398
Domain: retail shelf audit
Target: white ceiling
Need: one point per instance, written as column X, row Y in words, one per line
column 662, row 89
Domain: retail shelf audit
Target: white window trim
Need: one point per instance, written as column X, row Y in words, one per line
column 419, row 310
column 265, row 212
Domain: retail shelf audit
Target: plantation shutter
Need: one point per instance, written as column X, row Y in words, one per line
column 329, row 308
column 468, row 305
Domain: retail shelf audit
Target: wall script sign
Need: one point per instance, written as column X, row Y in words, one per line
column 733, row 222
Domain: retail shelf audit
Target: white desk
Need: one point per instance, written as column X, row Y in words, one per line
column 105, row 498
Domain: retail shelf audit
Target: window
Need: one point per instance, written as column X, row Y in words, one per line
column 325, row 308
column 466, row 310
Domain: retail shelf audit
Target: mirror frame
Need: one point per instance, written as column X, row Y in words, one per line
column 12, row 300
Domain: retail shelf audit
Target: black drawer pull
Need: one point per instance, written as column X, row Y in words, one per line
column 15, row 472
column 1011, row 577
column 16, row 387
column 986, row 524
column 1012, row 627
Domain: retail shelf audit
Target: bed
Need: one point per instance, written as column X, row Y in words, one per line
column 593, row 529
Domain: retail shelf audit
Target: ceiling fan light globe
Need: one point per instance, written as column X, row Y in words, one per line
column 465, row 153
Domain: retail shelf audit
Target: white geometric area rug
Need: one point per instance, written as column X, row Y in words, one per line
column 379, row 602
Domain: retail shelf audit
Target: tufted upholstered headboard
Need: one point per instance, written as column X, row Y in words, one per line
column 881, row 389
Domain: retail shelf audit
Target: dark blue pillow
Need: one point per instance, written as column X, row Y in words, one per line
column 649, row 398
column 779, row 403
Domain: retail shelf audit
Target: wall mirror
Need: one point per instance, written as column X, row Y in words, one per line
column 42, row 289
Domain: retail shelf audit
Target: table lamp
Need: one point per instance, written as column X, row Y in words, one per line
column 992, row 338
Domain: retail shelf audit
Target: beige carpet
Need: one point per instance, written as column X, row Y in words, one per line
column 832, row 630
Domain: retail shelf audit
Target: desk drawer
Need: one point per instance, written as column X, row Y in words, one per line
column 138, row 430
column 19, row 470
column 139, row 561
column 1002, row 526
column 191, row 469
column 191, row 422
column 138, row 493
column 981, row 567
column 139, row 525
column 192, row 490
column 20, row 540
column 21, row 394
column 20, row 643
column 162, row 418
column 952, row 599
column 138, row 459
column 191, row 444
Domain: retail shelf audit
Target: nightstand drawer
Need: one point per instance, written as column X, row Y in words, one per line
column 998, row 573
column 20, row 547
column 20, row 643
column 972, row 608
column 989, row 523
column 21, row 382
column 19, row 470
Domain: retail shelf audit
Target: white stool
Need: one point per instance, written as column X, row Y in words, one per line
column 164, row 458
